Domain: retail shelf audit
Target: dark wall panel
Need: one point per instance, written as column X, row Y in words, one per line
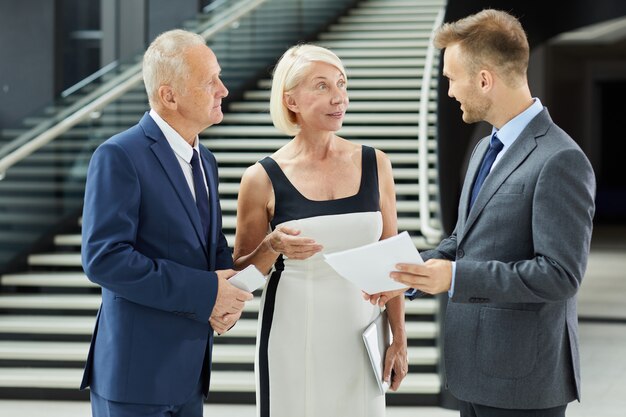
column 27, row 64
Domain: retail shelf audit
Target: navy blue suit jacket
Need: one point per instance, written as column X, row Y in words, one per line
column 142, row 243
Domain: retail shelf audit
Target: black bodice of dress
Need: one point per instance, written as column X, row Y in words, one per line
column 290, row 204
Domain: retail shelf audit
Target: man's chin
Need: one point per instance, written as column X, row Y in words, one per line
column 469, row 119
column 217, row 117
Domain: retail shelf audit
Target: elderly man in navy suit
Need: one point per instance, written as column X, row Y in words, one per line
column 152, row 239
column 514, row 263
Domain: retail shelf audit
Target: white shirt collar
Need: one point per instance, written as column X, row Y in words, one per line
column 176, row 141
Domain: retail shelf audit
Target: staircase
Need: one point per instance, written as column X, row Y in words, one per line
column 47, row 313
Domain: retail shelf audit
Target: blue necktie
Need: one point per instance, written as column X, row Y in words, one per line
column 202, row 198
column 495, row 146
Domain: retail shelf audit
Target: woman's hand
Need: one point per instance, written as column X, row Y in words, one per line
column 286, row 241
column 396, row 360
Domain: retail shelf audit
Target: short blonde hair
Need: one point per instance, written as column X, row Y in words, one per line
column 289, row 72
column 490, row 38
column 164, row 61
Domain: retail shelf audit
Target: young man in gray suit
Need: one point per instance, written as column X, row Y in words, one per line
column 514, row 263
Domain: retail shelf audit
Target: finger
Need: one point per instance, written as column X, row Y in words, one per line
column 298, row 240
column 413, row 269
column 407, row 279
column 217, row 327
column 243, row 296
column 302, row 255
column 395, row 382
column 236, row 306
column 382, row 300
column 289, row 231
column 387, row 368
column 298, row 250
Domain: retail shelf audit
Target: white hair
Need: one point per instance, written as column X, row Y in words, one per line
column 289, row 72
column 164, row 60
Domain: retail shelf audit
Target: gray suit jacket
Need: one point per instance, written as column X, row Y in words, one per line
column 511, row 328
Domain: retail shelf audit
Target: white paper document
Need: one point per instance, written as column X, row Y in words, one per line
column 377, row 338
column 248, row 279
column 369, row 266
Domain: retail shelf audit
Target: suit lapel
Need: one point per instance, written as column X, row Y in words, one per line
column 164, row 153
column 511, row 160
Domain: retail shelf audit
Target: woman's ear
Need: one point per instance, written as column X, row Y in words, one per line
column 290, row 102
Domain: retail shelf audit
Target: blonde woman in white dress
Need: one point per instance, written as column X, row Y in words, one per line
column 317, row 194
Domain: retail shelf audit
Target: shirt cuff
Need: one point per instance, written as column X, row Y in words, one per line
column 451, row 290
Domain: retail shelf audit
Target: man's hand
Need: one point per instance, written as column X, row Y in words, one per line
column 230, row 299
column 432, row 277
column 396, row 360
column 382, row 298
column 223, row 324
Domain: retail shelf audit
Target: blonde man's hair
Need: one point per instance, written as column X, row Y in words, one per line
column 164, row 61
column 490, row 39
column 289, row 72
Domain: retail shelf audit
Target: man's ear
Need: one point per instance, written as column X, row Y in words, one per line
column 485, row 78
column 290, row 103
column 167, row 97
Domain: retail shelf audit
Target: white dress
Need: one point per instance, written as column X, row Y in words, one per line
column 310, row 358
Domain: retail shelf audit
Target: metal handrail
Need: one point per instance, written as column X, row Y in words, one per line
column 45, row 132
column 431, row 234
column 102, row 71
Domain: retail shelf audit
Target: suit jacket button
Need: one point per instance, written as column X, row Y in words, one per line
column 460, row 253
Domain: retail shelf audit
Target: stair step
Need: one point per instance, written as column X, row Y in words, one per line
column 227, row 188
column 83, row 325
column 346, row 131
column 361, row 83
column 44, row 186
column 409, row 17
column 377, row 35
column 27, row 218
column 47, row 172
column 50, row 301
column 271, row 145
column 364, row 106
column 351, row 27
column 388, row 94
column 250, row 158
column 39, row 202
column 383, row 9
column 55, row 259
column 419, row 4
column 92, row 301
column 48, row 279
column 351, row 118
column 222, row 353
column 221, row 381
column 372, row 44
column 82, row 302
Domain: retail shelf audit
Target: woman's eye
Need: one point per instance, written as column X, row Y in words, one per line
column 321, row 86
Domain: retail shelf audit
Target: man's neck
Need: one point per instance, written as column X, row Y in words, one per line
column 511, row 103
column 182, row 128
